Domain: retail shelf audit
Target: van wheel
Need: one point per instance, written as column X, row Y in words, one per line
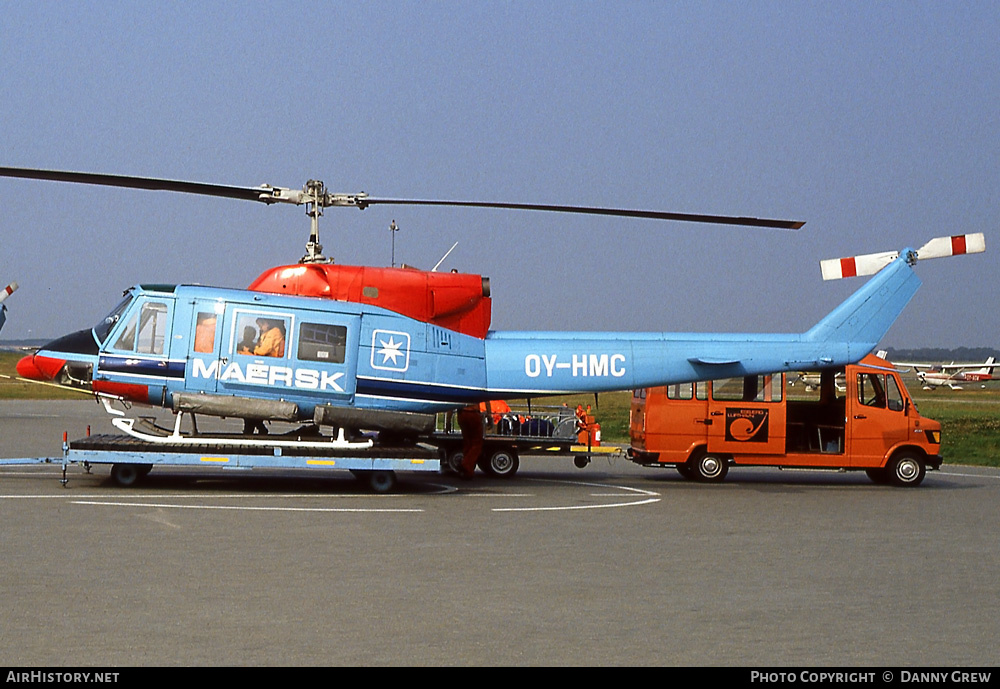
column 686, row 471
column 878, row 476
column 906, row 470
column 709, row 468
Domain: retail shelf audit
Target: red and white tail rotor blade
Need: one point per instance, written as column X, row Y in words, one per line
column 7, row 291
column 869, row 264
column 953, row 246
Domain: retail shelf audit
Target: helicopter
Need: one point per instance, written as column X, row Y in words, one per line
column 4, row 293
column 385, row 349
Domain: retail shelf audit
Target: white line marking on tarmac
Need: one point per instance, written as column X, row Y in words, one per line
column 574, row 507
column 955, row 473
column 653, row 497
column 238, row 508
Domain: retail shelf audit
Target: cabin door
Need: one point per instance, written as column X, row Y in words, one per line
column 747, row 415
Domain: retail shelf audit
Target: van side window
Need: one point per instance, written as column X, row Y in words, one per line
column 701, row 390
column 322, row 342
column 748, row 389
column 871, row 390
column 682, row 391
column 895, row 396
column 727, row 389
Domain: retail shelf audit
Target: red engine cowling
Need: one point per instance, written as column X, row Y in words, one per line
column 456, row 301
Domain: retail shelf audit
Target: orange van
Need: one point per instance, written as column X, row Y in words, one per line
column 856, row 418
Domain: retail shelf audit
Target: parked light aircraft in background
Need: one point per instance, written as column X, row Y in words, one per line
column 811, row 380
column 933, row 376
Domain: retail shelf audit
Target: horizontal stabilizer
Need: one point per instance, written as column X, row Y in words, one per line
column 713, row 361
column 869, row 264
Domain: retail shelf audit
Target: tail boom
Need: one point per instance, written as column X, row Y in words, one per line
column 539, row 363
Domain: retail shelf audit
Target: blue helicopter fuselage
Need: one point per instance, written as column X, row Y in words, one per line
column 166, row 340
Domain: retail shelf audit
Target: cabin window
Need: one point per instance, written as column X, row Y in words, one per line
column 322, row 342
column 261, row 334
column 204, row 333
column 146, row 330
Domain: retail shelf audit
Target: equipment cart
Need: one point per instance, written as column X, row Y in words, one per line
column 511, row 432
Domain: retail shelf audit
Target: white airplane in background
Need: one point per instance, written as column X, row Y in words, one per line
column 936, row 375
column 811, row 380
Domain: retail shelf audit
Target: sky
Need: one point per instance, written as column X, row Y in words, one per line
column 878, row 124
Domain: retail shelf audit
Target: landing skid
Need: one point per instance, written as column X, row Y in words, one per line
column 175, row 437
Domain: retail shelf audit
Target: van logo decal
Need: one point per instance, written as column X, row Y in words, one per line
column 746, row 425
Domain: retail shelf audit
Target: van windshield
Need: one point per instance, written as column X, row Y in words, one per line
column 105, row 325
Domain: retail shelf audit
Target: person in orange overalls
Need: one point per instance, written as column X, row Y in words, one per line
column 272, row 339
column 471, row 423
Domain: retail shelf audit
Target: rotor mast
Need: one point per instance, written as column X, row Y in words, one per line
column 313, row 192
column 315, row 197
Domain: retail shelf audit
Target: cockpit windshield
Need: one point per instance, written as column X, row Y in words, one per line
column 104, row 327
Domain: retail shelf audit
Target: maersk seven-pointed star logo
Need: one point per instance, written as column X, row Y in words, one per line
column 390, row 350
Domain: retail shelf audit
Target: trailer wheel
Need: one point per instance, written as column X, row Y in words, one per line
column 709, row 468
column 503, row 463
column 581, row 461
column 454, row 461
column 126, row 474
column 906, row 470
column 382, row 481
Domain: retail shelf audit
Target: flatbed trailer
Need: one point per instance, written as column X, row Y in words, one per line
column 554, row 431
column 131, row 459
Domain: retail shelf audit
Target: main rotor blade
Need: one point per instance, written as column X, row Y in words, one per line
column 268, row 194
column 149, row 183
column 621, row 212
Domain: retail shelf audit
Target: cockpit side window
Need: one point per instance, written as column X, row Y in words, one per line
column 102, row 329
column 146, row 331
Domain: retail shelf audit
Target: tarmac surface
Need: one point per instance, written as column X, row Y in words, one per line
column 613, row 564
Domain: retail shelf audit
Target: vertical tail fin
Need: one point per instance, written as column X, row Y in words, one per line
column 866, row 315
column 987, row 369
